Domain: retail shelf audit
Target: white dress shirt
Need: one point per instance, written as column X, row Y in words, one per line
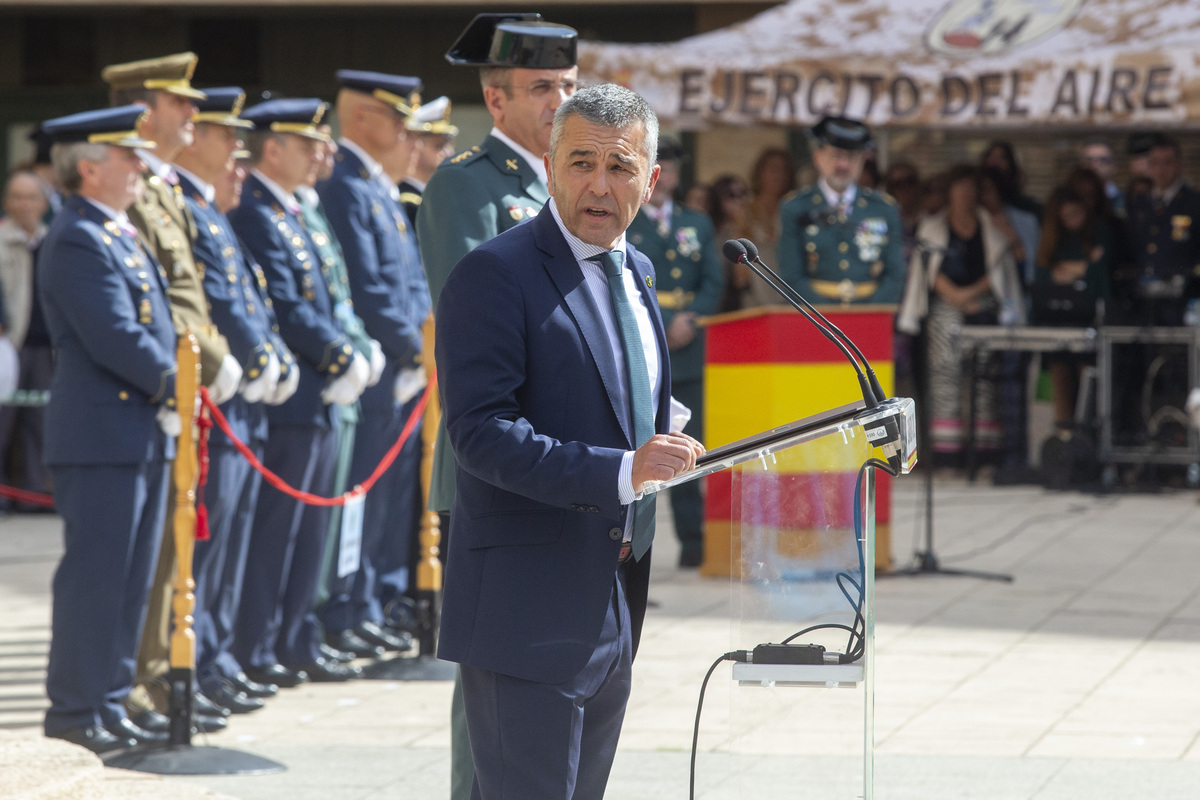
column 207, row 190
column 838, row 202
column 597, row 285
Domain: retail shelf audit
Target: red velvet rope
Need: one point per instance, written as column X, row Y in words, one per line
column 204, row 423
column 33, row 498
column 312, row 499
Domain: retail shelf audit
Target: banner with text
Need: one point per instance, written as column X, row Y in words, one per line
column 1019, row 63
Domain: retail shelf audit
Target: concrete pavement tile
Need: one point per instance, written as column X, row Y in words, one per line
column 1099, row 779
column 1125, row 745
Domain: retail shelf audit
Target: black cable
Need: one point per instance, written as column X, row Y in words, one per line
column 741, row 656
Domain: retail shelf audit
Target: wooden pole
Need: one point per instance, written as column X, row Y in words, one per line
column 183, row 604
column 429, row 565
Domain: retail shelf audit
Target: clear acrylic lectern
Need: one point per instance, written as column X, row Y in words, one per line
column 802, row 529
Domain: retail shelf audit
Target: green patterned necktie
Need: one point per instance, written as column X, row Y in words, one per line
column 641, row 400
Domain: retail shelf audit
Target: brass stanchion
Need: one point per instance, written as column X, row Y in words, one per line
column 179, row 756
column 429, row 566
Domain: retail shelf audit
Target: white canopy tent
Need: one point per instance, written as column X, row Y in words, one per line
column 928, row 63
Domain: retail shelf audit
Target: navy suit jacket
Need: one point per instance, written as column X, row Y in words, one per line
column 276, row 239
column 538, row 428
column 105, row 301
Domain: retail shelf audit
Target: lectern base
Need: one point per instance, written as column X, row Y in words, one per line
column 192, row 760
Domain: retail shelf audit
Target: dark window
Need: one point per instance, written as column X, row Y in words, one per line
column 59, row 51
column 228, row 48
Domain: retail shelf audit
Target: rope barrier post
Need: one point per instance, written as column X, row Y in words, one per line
column 428, row 590
column 181, row 676
column 179, row 756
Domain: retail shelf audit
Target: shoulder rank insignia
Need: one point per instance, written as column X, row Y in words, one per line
column 461, row 157
column 511, row 163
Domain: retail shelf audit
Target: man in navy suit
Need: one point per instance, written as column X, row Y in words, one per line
column 556, row 389
column 110, row 425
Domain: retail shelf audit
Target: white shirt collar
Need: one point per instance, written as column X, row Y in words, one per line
column 374, row 168
column 663, row 212
column 155, row 164
column 833, row 198
column 416, row 183
column 579, row 248
column 119, row 217
column 535, row 162
column 206, row 189
column 286, row 200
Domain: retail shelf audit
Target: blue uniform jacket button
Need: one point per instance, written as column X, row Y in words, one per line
column 614, row 533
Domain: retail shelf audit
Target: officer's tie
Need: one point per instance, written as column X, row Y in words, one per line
column 641, row 401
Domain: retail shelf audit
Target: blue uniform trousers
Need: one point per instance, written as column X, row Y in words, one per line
column 220, row 563
column 113, row 517
column 532, row 739
column 403, row 522
column 276, row 623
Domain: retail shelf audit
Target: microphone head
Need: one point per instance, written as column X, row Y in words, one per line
column 751, row 249
column 734, row 250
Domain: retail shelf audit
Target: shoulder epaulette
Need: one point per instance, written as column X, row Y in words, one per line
column 467, row 155
column 411, row 198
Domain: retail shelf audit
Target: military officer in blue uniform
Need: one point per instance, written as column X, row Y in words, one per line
column 435, row 133
column 390, row 294
column 244, row 316
column 839, row 242
column 680, row 244
column 527, row 67
column 110, row 425
column 278, row 637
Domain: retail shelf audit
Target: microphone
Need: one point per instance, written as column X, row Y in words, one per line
column 782, row 286
column 736, row 250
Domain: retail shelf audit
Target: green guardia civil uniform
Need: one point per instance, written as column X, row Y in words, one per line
column 472, row 197
column 688, row 277
column 846, row 257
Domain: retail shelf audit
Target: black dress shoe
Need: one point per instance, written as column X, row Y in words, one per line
column 399, row 642
column 237, row 701
column 333, row 654
column 242, row 683
column 94, row 737
column 350, row 642
column 201, row 704
column 401, row 615
column 325, row 671
column 205, row 723
column 125, row 729
column 152, row 721
column 277, row 674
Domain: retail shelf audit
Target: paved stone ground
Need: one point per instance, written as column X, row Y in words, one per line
column 1076, row 680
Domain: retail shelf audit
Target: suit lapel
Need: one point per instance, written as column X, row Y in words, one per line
column 568, row 278
column 643, row 272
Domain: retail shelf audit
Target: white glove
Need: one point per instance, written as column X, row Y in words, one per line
column 225, row 385
column 255, row 390
column 169, row 421
column 1193, row 406
column 285, row 388
column 345, row 390
column 378, row 362
column 409, row 383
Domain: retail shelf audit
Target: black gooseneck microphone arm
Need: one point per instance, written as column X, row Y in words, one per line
column 781, row 286
column 736, row 251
